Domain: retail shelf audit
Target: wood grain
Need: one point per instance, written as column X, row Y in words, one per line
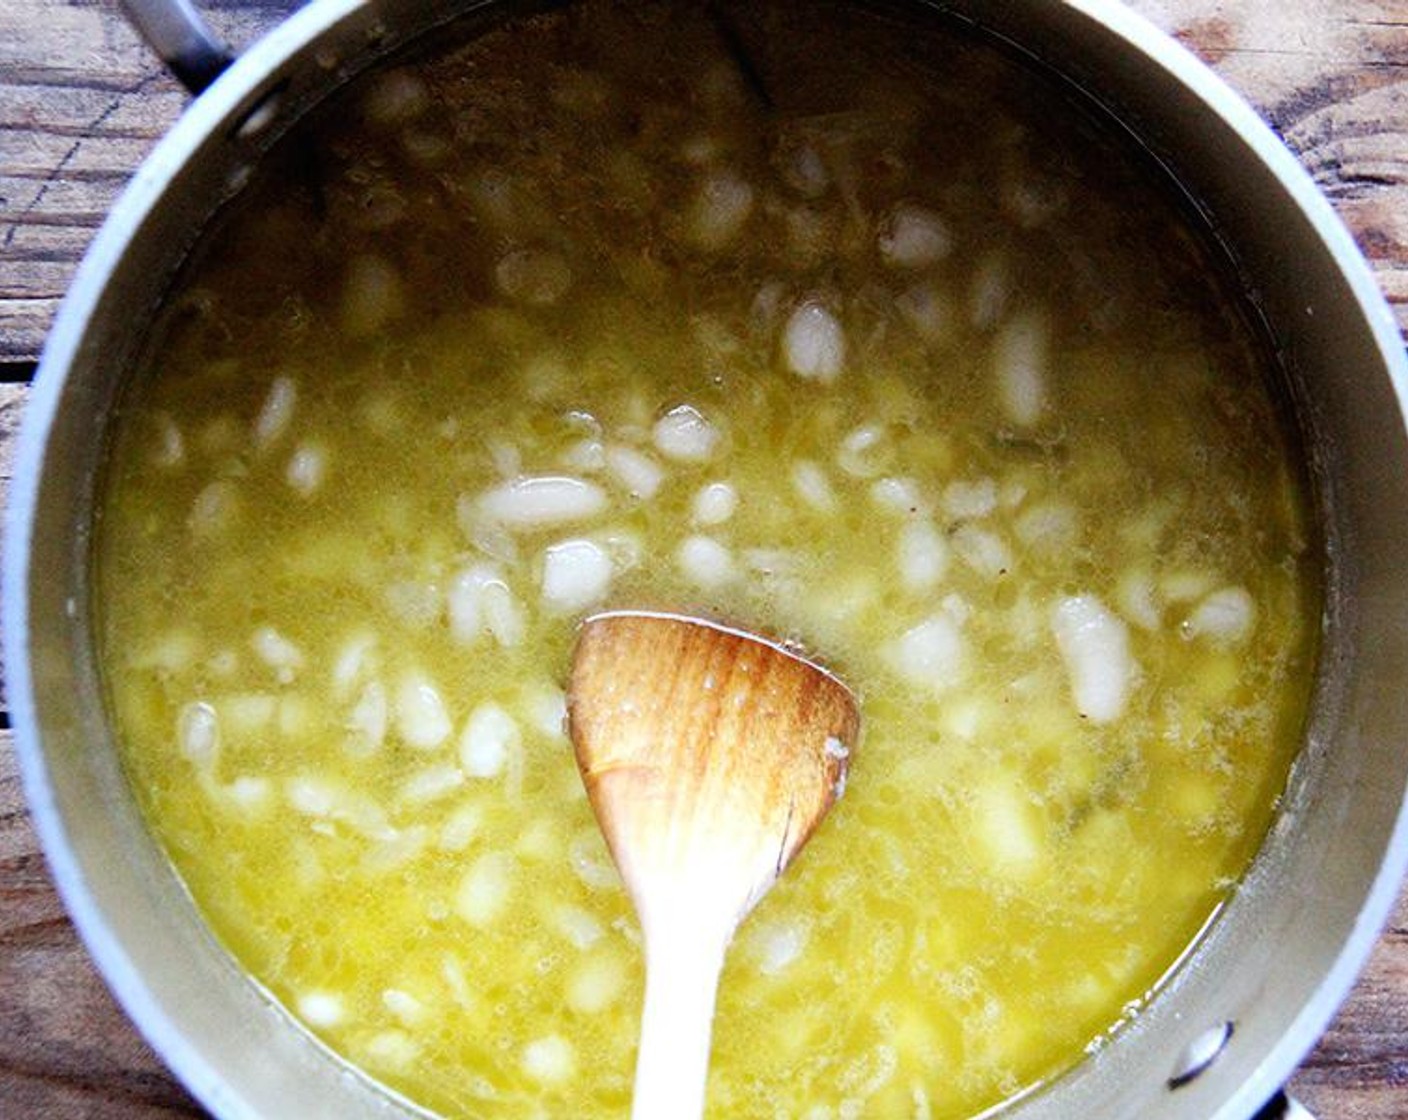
column 710, row 757
column 65, row 1048
column 81, row 103
column 1332, row 78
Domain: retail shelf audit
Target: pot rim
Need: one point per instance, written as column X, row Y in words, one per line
column 220, row 108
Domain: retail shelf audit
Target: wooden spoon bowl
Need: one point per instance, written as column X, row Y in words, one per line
column 710, row 756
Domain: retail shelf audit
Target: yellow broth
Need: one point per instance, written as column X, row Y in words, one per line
column 875, row 343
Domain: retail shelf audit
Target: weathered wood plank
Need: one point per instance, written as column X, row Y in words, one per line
column 66, row 1049
column 1332, row 79
column 1360, row 1067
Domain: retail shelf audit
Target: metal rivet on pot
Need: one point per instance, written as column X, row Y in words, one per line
column 1200, row 1053
column 260, row 115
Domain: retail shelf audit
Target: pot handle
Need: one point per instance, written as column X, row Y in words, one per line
column 1284, row 1107
column 178, row 33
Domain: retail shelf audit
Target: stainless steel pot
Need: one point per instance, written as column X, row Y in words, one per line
column 1258, row 988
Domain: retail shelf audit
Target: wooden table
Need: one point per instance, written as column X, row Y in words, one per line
column 81, row 103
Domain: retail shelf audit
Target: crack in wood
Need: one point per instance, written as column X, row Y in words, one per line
column 56, row 173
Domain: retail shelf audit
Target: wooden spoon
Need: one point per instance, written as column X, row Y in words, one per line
column 710, row 756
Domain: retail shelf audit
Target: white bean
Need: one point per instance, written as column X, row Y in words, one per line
column 367, row 722
column 485, row 889
column 586, row 455
column 577, row 926
column 490, row 736
column 320, row 1009
column 394, row 851
column 705, row 561
column 1032, row 200
column 922, row 556
column 931, row 655
column 431, row 784
column 198, row 732
column 1050, row 528
column 1185, row 585
column 989, row 294
column 641, row 475
column 311, row 796
column 591, row 862
column 248, row 794
column 576, row 574
column 865, row 451
column 175, row 651
column 1003, row 824
column 969, row 500
column 813, row 343
column 812, row 486
column 546, row 707
column 421, row 719
column 1225, row 617
column 982, row 550
column 505, row 455
column 778, row 945
column 354, row 661
column 1095, row 647
column 898, row 495
column 913, row 236
column 719, row 210
column 215, row 509
column 307, row 467
column 373, row 295
column 317, row 797
column 714, row 504
column 542, row 501
column 276, row 413
column 803, row 169
column 550, row 1060
column 683, row 434
column 503, row 615
column 404, row 1006
column 461, row 827
column 170, row 447
column 1020, row 359
column 596, row 983
column 277, row 652
column 480, row 601
column 1138, row 599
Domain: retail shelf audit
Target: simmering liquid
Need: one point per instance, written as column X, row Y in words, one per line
column 859, row 336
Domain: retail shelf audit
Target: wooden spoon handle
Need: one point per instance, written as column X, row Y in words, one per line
column 682, row 969
column 709, row 755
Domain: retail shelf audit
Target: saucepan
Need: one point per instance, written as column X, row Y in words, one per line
column 1260, row 985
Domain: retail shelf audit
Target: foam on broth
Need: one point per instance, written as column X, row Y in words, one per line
column 880, row 346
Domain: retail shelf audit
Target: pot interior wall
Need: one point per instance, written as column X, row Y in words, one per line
column 1282, row 953
column 1264, row 965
